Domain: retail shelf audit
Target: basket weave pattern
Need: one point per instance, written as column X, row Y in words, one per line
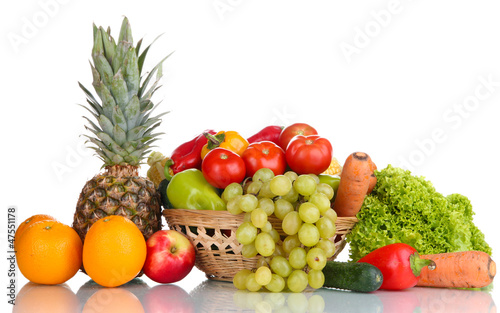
column 213, row 233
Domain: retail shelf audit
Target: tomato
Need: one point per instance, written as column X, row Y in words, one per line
column 309, row 154
column 293, row 130
column 264, row 154
column 222, row 167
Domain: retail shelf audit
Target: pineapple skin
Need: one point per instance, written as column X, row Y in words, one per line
column 119, row 191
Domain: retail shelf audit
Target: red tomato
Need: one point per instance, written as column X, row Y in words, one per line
column 222, row 167
column 264, row 154
column 293, row 130
column 309, row 154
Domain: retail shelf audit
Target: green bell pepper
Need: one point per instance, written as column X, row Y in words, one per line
column 190, row 190
column 331, row 180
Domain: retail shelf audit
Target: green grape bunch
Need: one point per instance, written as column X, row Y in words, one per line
column 295, row 259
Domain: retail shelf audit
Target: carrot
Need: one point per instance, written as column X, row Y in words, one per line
column 373, row 179
column 467, row 269
column 354, row 184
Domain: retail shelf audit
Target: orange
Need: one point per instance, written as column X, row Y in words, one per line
column 115, row 300
column 41, row 298
column 30, row 221
column 49, row 252
column 114, row 251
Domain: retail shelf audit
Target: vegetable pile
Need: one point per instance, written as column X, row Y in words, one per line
column 408, row 209
column 407, row 233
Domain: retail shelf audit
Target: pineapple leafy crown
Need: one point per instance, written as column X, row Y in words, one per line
column 125, row 128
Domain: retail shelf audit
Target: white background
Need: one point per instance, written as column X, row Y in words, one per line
column 405, row 81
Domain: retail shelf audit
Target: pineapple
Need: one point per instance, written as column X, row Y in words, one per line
column 122, row 135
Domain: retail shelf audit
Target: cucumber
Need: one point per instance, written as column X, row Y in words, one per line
column 162, row 190
column 361, row 277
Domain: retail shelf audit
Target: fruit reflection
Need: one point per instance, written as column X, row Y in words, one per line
column 111, row 300
column 34, row 298
column 168, row 299
column 214, row 296
column 301, row 302
column 136, row 286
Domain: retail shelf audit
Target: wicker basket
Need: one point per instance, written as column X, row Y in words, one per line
column 213, row 233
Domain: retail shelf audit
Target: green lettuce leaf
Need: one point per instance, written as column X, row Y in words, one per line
column 405, row 208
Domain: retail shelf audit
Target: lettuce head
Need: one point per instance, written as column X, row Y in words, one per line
column 405, row 208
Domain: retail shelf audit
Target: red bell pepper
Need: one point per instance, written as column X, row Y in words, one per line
column 400, row 265
column 269, row 133
column 187, row 155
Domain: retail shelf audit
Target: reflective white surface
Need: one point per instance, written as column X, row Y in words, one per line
column 141, row 295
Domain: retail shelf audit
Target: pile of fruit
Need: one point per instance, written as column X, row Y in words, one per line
column 279, row 171
column 288, row 173
column 117, row 233
column 114, row 252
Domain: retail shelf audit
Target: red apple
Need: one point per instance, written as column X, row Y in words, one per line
column 170, row 256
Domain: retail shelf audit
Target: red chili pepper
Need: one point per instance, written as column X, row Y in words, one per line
column 269, row 133
column 399, row 263
column 187, row 155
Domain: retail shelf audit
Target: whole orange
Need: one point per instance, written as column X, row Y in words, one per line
column 30, row 221
column 114, row 251
column 49, row 252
